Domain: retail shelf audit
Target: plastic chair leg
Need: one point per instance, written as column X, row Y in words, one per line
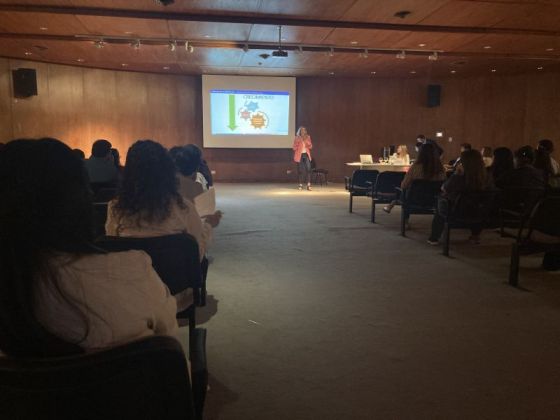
column 372, row 210
column 351, row 197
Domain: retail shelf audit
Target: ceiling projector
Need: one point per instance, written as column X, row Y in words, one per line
column 279, row 53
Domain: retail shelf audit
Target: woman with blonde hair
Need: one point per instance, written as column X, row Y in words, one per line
column 302, row 156
column 401, row 156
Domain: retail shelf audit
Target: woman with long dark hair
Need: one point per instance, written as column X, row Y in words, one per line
column 148, row 202
column 501, row 163
column 59, row 294
column 470, row 175
column 427, row 166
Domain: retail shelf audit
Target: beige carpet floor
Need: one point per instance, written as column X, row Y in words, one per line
column 315, row 313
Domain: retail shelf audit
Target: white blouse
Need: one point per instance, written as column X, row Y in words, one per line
column 119, row 295
column 181, row 219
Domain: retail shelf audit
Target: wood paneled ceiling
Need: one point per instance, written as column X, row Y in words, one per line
column 355, row 38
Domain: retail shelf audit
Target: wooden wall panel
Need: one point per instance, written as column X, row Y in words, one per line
column 346, row 117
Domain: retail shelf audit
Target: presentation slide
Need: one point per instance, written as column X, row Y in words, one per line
column 248, row 112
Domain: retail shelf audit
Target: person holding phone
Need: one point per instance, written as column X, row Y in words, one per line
column 302, row 157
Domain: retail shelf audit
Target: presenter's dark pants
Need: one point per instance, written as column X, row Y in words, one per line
column 304, row 169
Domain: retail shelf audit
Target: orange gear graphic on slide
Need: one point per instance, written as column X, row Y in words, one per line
column 259, row 120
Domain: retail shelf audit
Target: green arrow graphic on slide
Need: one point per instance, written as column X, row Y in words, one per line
column 232, row 125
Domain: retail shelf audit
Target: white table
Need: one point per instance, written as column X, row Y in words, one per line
column 381, row 167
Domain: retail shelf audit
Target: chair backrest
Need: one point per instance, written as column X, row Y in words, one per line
column 146, row 379
column 422, row 193
column 174, row 257
column 545, row 216
column 361, row 177
column 521, row 199
column 388, row 182
column 474, row 206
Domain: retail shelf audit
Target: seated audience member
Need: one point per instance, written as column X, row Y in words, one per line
column 471, row 175
column 61, row 295
column 117, row 161
column 187, row 161
column 487, row 156
column 501, row 163
column 524, row 174
column 547, row 146
column 205, row 171
column 427, row 166
column 454, row 163
column 543, row 162
column 401, row 156
column 148, row 202
column 421, row 138
column 80, row 153
column 100, row 166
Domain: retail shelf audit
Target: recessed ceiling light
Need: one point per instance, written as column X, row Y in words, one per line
column 166, row 67
column 421, row 45
column 540, row 68
column 494, row 70
column 43, row 28
column 550, row 49
column 373, row 72
column 28, row 53
column 331, row 73
column 207, row 36
column 128, row 32
column 354, row 42
column 412, row 72
column 487, row 47
column 453, row 71
column 80, row 60
column 124, row 65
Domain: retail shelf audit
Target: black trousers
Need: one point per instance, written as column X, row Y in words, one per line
column 304, row 169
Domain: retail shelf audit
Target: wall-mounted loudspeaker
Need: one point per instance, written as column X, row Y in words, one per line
column 25, row 82
column 434, row 95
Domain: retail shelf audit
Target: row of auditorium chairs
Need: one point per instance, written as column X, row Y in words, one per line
column 525, row 210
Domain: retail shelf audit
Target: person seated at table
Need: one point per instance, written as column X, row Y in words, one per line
column 401, row 156
column 502, row 162
column 148, row 202
column 471, row 175
column 487, row 156
column 187, row 160
column 61, row 294
column 427, row 166
column 524, row 175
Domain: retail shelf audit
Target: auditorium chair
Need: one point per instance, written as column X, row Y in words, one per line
column 419, row 198
column 318, row 175
column 473, row 208
column 145, row 379
column 539, row 233
column 176, row 260
column 515, row 205
column 359, row 184
column 385, row 189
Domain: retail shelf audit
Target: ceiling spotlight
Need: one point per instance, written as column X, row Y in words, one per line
column 331, row 73
column 124, row 65
column 401, row 55
column 188, row 47
column 433, row 56
column 80, row 60
column 453, row 71
column 172, row 45
column 373, row 72
column 494, row 70
column 99, row 44
column 365, row 54
column 413, row 72
column 354, row 42
column 135, row 44
column 487, row 47
column 330, row 53
column 245, row 47
column 550, row 49
column 28, row 53
column 166, row 67
column 43, row 28
column 421, row 45
column 540, row 68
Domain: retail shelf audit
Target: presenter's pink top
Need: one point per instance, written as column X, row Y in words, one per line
column 302, row 146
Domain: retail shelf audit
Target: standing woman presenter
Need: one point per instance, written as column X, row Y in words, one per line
column 302, row 156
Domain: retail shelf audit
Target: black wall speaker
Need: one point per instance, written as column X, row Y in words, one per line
column 25, row 82
column 434, row 95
